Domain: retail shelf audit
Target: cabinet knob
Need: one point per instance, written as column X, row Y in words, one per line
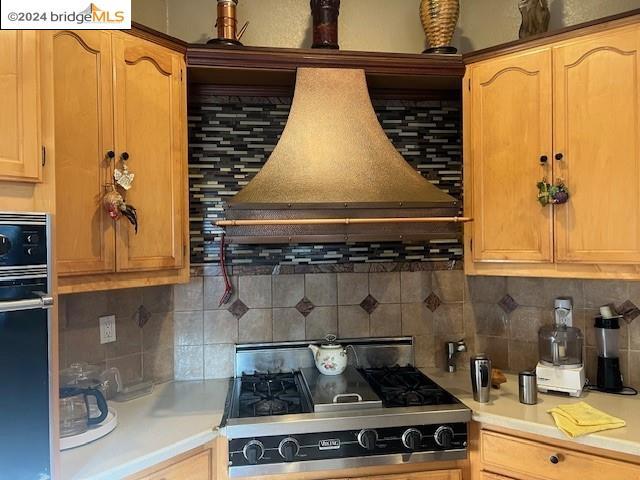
column 543, row 159
column 555, row 458
column 111, row 154
column 559, row 156
column 124, row 156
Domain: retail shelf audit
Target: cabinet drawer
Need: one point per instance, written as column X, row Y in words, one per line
column 197, row 467
column 435, row 475
column 533, row 460
column 492, row 476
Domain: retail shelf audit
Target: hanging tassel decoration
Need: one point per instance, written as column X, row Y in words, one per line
column 228, row 287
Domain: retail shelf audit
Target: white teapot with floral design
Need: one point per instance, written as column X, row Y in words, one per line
column 330, row 357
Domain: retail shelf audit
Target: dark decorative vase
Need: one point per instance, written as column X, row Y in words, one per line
column 325, row 23
column 535, row 17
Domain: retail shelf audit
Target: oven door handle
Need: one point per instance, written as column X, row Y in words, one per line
column 43, row 301
column 357, row 396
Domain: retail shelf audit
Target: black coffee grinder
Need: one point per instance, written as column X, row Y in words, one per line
column 607, row 328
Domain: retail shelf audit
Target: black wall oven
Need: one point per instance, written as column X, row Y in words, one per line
column 25, row 386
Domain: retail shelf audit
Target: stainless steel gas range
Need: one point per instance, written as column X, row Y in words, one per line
column 283, row 416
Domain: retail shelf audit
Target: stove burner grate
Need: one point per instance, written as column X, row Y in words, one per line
column 405, row 387
column 269, row 394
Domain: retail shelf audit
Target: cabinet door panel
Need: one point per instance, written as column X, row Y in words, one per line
column 150, row 109
column 434, row 475
column 511, row 129
column 597, row 130
column 83, row 135
column 20, row 144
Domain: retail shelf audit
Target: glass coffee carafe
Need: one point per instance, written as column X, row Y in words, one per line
column 75, row 415
column 84, row 391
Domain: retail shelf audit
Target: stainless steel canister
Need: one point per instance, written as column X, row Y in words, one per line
column 480, row 366
column 528, row 387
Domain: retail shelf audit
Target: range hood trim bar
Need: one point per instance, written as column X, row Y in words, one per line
column 343, row 221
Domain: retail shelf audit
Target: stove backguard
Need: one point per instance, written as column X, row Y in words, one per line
column 373, row 352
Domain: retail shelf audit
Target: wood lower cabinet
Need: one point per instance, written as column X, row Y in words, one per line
column 491, row 476
column 197, row 467
column 435, row 475
column 512, row 455
column 569, row 112
column 118, row 97
column 202, row 463
column 21, row 149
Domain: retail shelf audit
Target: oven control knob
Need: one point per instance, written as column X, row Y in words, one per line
column 367, row 439
column 443, row 436
column 412, row 438
column 253, row 451
column 288, row 449
column 5, row 245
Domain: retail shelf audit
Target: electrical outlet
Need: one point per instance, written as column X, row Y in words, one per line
column 107, row 329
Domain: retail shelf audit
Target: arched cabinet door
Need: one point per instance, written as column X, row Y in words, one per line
column 20, row 143
column 150, row 114
column 510, row 151
column 597, row 133
column 83, row 109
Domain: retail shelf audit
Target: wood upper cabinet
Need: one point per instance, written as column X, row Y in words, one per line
column 115, row 94
column 83, row 109
column 510, row 132
column 20, row 143
column 150, row 126
column 597, row 131
column 576, row 102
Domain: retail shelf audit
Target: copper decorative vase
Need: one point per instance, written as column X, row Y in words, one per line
column 325, row 23
column 439, row 19
column 227, row 24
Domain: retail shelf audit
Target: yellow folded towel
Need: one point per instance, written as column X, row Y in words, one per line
column 580, row 418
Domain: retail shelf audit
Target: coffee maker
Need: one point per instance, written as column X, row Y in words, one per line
column 607, row 327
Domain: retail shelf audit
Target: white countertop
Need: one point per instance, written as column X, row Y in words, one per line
column 180, row 416
column 505, row 410
column 175, row 418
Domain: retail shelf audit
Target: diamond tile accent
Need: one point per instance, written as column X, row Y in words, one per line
column 144, row 315
column 629, row 311
column 432, row 302
column 238, row 308
column 508, row 304
column 369, row 304
column 305, row 306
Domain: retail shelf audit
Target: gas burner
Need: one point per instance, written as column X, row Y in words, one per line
column 265, row 394
column 405, row 387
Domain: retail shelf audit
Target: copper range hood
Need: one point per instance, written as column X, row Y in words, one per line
column 334, row 176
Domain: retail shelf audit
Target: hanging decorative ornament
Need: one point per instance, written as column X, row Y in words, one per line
column 116, row 206
column 554, row 194
column 124, row 177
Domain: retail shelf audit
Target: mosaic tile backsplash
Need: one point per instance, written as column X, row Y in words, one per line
column 230, row 138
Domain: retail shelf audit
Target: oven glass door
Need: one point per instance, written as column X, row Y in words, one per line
column 24, row 395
